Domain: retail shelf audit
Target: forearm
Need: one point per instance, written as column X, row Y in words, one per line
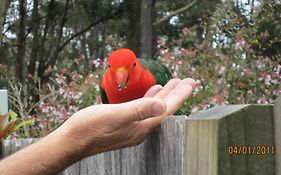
column 49, row 155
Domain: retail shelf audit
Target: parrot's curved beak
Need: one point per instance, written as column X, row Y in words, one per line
column 122, row 78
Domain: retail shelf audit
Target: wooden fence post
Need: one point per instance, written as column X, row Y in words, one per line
column 3, row 101
column 277, row 128
column 232, row 139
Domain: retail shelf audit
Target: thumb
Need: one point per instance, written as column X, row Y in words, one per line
column 141, row 109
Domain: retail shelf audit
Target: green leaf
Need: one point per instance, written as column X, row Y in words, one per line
column 13, row 115
column 23, row 123
column 3, row 118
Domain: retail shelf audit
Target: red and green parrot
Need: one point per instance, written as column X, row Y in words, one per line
column 128, row 77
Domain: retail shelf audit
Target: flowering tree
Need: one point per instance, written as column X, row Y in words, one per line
column 232, row 63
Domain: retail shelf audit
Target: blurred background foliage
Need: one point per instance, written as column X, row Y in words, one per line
column 52, row 52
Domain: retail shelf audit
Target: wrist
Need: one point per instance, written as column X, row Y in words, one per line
column 58, row 151
column 68, row 142
column 77, row 138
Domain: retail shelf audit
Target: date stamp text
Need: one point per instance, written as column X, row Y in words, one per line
column 251, row 150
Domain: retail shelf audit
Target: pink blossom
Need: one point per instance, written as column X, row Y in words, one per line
column 246, row 72
column 263, row 100
column 60, row 79
column 76, row 61
column 98, row 99
column 64, row 71
column 185, row 31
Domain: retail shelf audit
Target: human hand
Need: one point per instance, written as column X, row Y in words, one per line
column 106, row 127
column 99, row 128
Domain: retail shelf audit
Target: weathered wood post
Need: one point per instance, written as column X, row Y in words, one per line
column 3, row 101
column 277, row 128
column 224, row 140
column 3, row 107
column 232, row 139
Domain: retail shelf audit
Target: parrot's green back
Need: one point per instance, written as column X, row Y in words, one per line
column 161, row 73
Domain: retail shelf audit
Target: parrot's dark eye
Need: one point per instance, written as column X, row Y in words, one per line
column 109, row 66
column 135, row 64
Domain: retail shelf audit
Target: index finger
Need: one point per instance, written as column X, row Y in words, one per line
column 174, row 99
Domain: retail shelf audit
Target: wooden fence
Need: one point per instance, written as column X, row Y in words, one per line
column 3, row 101
column 224, row 140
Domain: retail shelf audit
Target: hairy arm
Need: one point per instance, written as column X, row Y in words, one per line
column 47, row 156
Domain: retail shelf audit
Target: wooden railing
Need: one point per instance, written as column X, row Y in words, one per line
column 231, row 139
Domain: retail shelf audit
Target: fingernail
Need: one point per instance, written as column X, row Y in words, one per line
column 158, row 108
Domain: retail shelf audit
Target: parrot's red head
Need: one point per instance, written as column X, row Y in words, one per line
column 122, row 65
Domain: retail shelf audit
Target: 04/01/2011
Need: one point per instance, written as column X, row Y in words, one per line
column 254, row 150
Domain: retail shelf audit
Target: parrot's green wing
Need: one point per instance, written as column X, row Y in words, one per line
column 161, row 73
column 103, row 96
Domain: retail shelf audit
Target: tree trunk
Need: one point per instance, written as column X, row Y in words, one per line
column 146, row 41
column 35, row 40
column 43, row 43
column 140, row 33
column 3, row 10
column 252, row 6
column 21, row 40
column 85, row 52
column 133, row 41
column 34, row 52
